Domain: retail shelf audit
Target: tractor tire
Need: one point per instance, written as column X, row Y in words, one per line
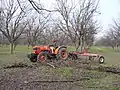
column 62, row 54
column 74, row 57
column 33, row 60
column 42, row 57
column 101, row 60
column 32, row 57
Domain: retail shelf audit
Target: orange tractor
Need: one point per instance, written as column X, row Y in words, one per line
column 46, row 53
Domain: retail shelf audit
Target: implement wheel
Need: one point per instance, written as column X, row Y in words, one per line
column 101, row 59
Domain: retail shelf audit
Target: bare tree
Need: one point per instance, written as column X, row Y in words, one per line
column 108, row 41
column 36, row 5
column 76, row 23
column 112, row 38
column 54, row 33
column 114, row 35
column 35, row 27
column 14, row 24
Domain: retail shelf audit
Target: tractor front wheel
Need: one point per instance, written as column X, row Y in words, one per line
column 62, row 54
column 32, row 57
column 42, row 57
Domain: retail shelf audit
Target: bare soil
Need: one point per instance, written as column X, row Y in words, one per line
column 42, row 77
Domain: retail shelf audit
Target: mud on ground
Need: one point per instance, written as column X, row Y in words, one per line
column 83, row 75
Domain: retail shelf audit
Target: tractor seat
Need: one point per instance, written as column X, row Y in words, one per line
column 56, row 47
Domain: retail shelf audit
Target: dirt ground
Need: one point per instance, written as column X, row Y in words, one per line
column 33, row 78
column 81, row 76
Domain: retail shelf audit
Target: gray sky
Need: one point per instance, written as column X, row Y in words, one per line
column 109, row 10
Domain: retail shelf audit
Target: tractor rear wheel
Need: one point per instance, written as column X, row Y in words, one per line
column 42, row 57
column 62, row 54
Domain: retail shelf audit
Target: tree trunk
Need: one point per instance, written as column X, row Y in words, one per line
column 84, row 44
column 28, row 46
column 81, row 47
column 112, row 47
column 15, row 45
column 117, row 48
column 11, row 47
column 77, row 46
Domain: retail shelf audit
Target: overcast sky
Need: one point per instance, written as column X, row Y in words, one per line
column 109, row 9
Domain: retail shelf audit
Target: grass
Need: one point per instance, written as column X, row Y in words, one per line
column 98, row 80
column 101, row 49
column 71, row 48
column 111, row 56
column 20, row 54
column 67, row 71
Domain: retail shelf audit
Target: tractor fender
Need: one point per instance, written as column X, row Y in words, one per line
column 56, row 51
